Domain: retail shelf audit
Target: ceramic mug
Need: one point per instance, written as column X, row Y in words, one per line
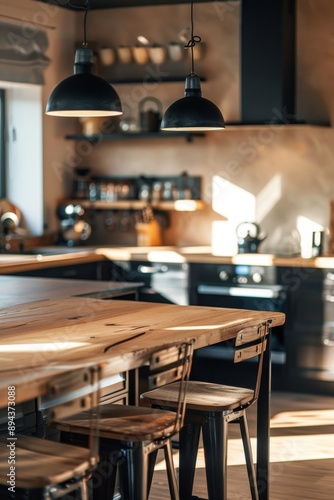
column 140, row 54
column 176, row 51
column 107, row 56
column 124, row 54
column 158, row 54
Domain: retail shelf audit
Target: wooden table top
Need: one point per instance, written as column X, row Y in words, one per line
column 42, row 339
column 15, row 290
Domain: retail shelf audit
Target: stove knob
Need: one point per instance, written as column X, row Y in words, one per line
column 243, row 280
column 257, row 278
column 223, row 276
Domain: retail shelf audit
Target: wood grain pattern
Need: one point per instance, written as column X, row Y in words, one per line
column 41, row 339
column 200, row 396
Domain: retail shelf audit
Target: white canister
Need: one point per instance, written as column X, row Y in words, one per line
column 176, row 51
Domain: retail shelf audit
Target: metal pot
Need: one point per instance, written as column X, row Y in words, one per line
column 150, row 120
column 74, row 232
column 73, row 229
column 249, row 237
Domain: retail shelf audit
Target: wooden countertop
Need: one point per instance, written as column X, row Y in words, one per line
column 14, row 263
column 205, row 255
column 15, row 290
column 10, row 264
column 43, row 339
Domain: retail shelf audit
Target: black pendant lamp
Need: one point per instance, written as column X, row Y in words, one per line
column 193, row 112
column 84, row 94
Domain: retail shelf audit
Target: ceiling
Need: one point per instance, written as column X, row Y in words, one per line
column 109, row 4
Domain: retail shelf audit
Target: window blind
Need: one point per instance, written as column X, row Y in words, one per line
column 22, row 53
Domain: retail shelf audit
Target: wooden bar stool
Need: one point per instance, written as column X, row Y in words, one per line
column 46, row 469
column 210, row 408
column 130, row 436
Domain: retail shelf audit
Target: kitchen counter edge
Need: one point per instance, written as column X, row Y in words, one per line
column 168, row 254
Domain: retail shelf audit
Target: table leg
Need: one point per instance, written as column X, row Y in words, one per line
column 263, row 426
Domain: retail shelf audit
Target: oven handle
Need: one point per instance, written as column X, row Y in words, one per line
column 236, row 291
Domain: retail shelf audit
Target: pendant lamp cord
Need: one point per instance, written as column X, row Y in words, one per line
column 84, row 7
column 194, row 38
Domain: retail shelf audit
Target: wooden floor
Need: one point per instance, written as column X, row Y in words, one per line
column 302, row 453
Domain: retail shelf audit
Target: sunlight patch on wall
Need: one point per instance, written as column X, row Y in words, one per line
column 237, row 205
column 231, row 201
column 268, row 197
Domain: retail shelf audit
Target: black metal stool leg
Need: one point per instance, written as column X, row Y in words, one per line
column 249, row 456
column 172, row 480
column 189, row 440
column 133, row 473
column 215, row 450
column 152, row 458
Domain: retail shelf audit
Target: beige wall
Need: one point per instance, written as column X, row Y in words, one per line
column 288, row 170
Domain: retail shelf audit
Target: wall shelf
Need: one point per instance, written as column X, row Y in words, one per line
column 173, row 205
column 147, row 79
column 95, row 138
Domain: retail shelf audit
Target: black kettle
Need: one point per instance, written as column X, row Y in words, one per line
column 150, row 119
column 249, row 237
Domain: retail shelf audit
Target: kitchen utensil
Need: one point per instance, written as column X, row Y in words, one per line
column 8, row 206
column 9, row 222
column 80, row 183
column 150, row 119
column 249, row 237
column 73, row 229
column 111, row 221
column 148, row 233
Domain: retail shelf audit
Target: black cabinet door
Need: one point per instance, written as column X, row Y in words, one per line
column 87, row 271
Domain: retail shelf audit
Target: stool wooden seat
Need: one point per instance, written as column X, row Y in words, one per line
column 130, row 436
column 46, row 469
column 43, row 464
column 210, row 408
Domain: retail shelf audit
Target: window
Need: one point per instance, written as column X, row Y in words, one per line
column 22, row 165
column 2, row 145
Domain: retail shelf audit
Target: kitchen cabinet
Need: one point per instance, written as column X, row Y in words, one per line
column 310, row 328
column 96, row 271
column 87, row 271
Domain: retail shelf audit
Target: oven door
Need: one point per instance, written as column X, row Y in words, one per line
column 258, row 297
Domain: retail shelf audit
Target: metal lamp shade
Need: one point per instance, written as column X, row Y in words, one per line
column 192, row 112
column 84, row 94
